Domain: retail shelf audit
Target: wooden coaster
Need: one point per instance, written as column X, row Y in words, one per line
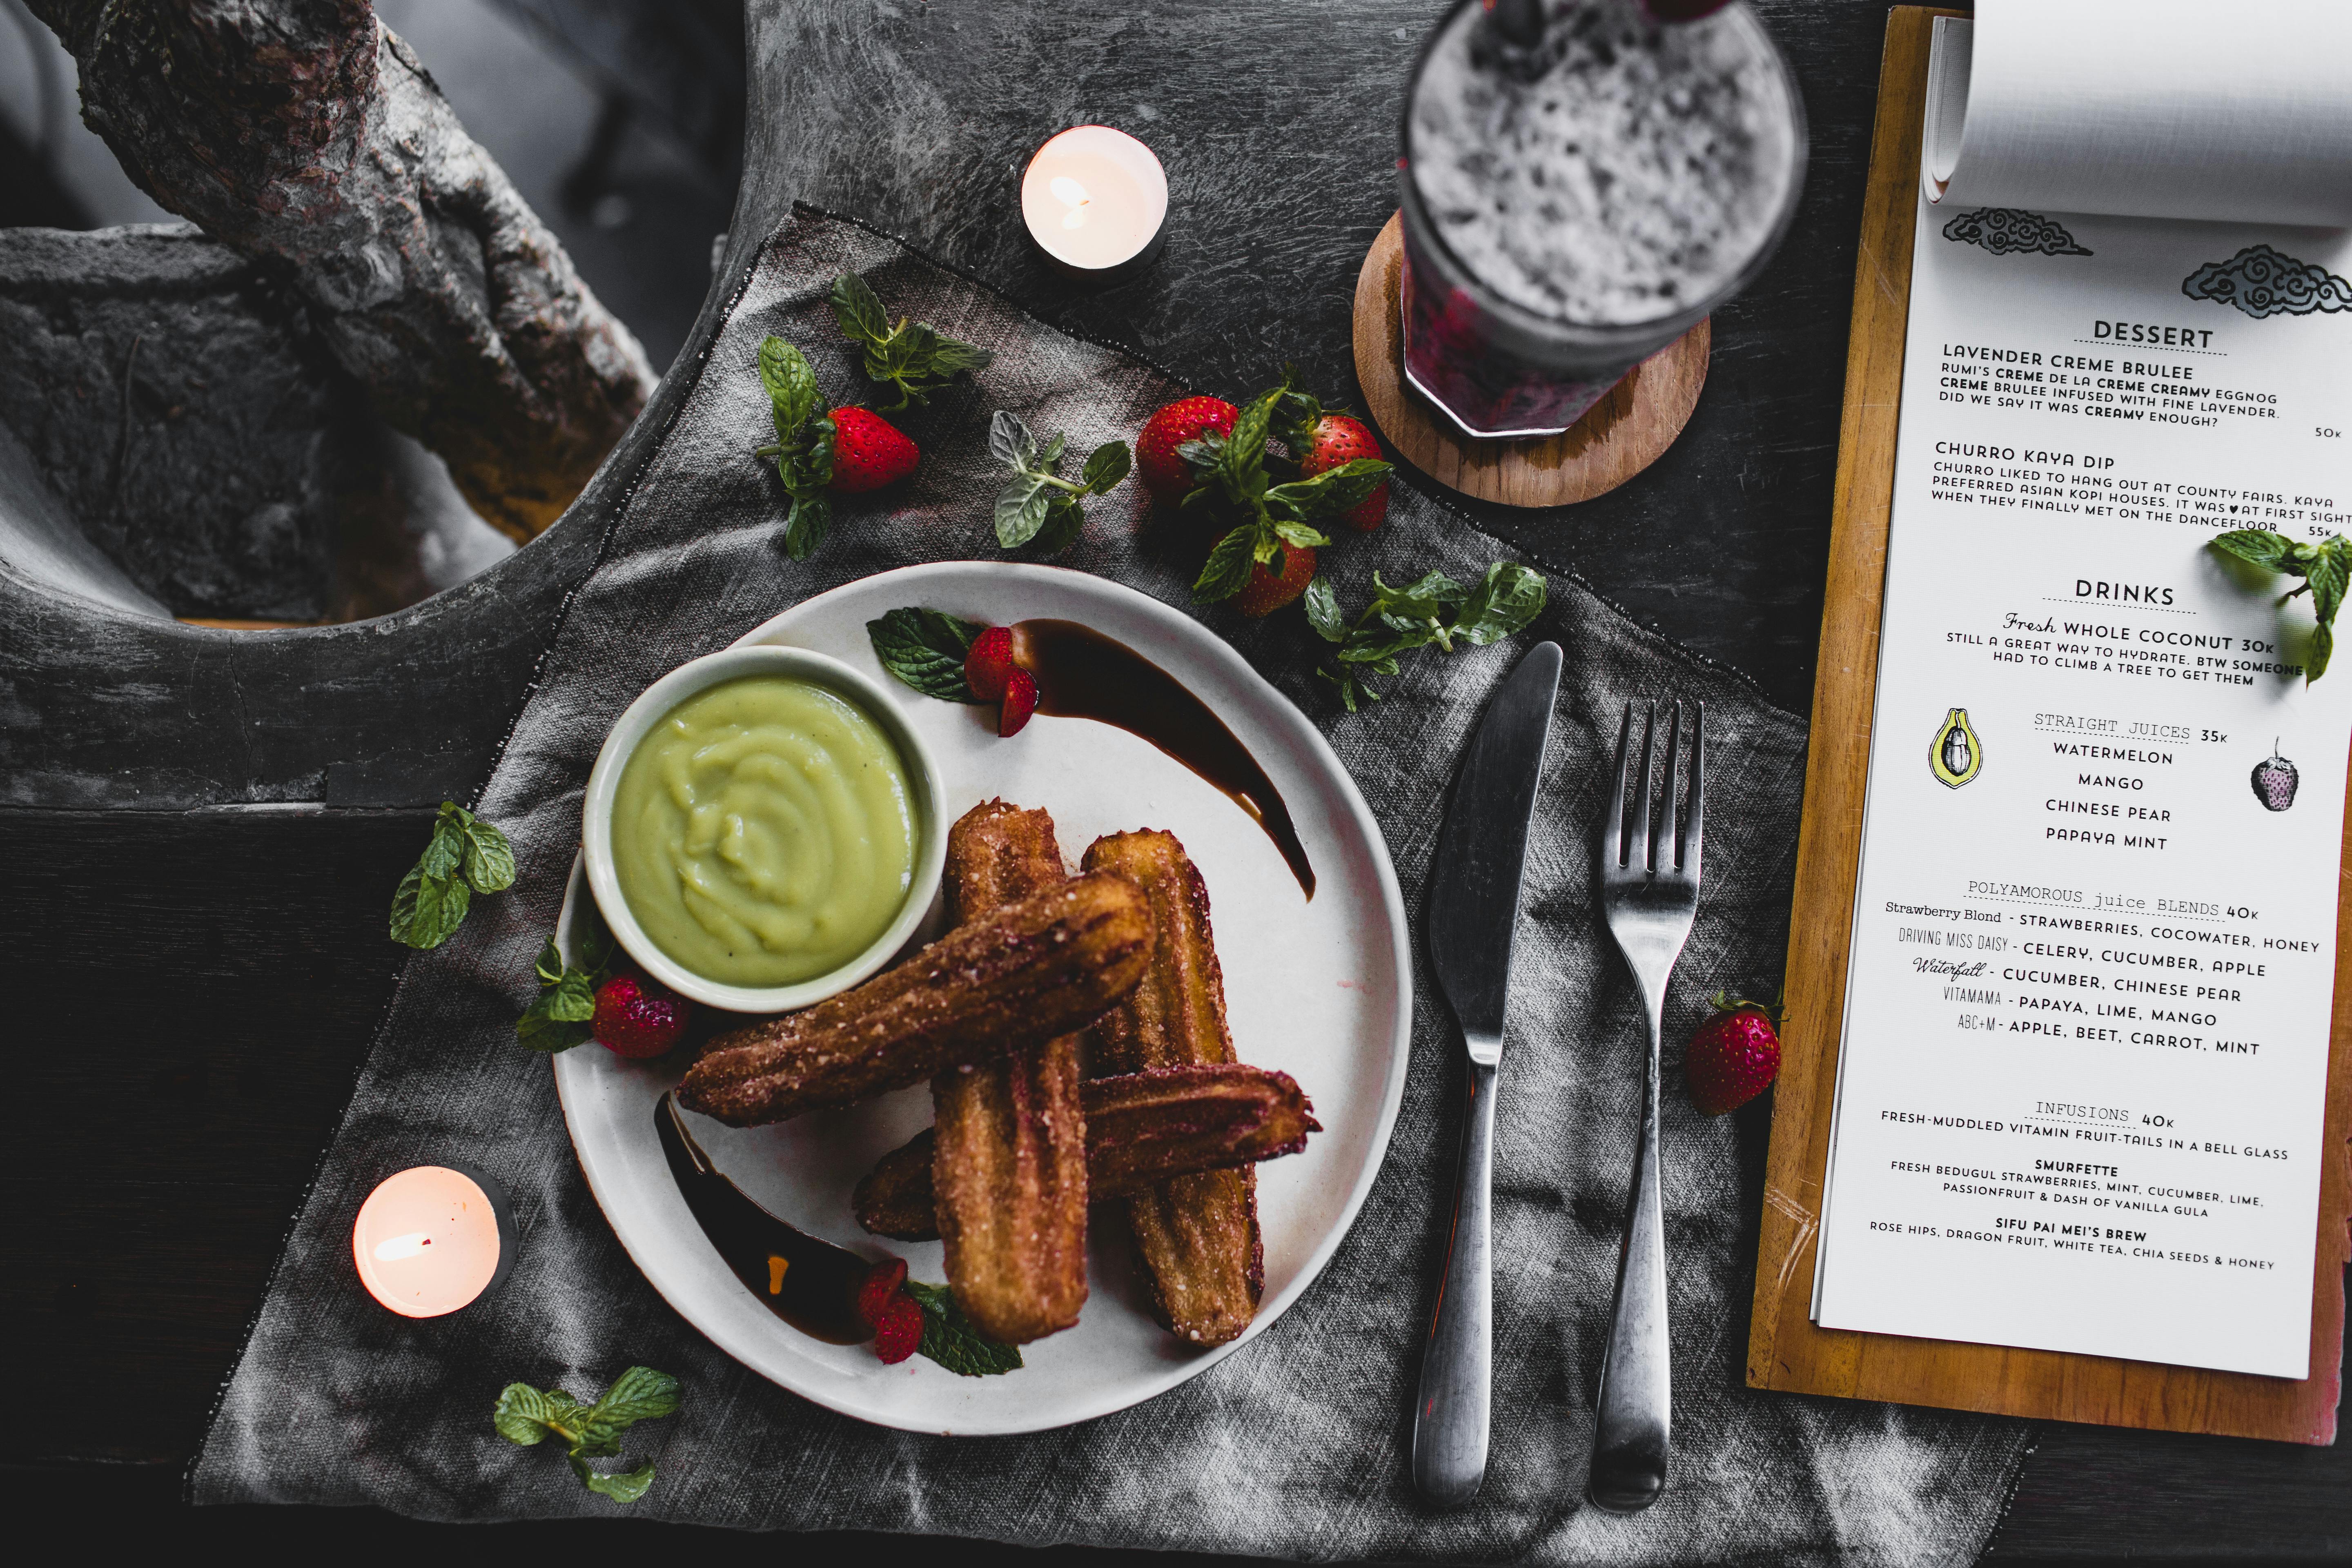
column 1618, row 437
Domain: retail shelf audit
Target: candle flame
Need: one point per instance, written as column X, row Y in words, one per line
column 392, row 1248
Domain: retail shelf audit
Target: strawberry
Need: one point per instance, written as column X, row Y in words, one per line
column 1165, row 473
column 2275, row 780
column 988, row 663
column 1268, row 591
column 1341, row 439
column 637, row 1018
column 1019, row 701
column 869, row 452
column 900, row 1333
column 883, row 1285
column 1734, row 1056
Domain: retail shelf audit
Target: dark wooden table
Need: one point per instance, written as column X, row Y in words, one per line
column 232, row 960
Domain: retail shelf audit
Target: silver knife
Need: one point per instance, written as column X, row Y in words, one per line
column 1473, row 913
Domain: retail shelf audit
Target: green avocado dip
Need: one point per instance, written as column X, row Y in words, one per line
column 764, row 832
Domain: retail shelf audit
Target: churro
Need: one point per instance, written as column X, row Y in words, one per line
column 1198, row 1234
column 1141, row 1129
column 1042, row 965
column 1009, row 1163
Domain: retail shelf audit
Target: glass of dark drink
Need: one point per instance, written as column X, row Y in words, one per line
column 1578, row 196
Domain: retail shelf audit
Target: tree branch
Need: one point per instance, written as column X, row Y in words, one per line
column 305, row 132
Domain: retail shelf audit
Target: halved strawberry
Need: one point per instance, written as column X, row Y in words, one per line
column 1019, row 701
column 988, row 663
column 638, row 1019
column 868, row 451
column 900, row 1333
column 1165, row 474
column 1270, row 588
column 883, row 1283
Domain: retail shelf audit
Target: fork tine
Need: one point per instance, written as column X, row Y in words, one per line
column 1669, row 847
column 1613, row 827
column 1641, row 796
column 1696, row 821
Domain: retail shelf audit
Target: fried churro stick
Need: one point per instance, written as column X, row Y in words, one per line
column 1141, row 1129
column 1198, row 1234
column 1045, row 964
column 1008, row 1166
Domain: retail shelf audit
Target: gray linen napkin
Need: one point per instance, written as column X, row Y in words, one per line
column 1294, row 1448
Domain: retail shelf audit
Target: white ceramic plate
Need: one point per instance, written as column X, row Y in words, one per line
column 1321, row 989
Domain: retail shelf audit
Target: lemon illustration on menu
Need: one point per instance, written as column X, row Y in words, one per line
column 1957, row 753
column 764, row 832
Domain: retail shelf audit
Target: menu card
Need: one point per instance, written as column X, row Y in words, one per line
column 2082, row 1084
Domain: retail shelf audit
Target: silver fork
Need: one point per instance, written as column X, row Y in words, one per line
column 1649, row 895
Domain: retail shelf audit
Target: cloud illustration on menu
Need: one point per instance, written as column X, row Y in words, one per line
column 2004, row 229
column 2261, row 282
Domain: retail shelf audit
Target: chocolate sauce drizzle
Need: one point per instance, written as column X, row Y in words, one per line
column 809, row 1284
column 1082, row 674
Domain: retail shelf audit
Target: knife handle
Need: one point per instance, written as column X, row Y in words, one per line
column 1449, row 1424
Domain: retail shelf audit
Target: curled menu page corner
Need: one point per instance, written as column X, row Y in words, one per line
column 2166, row 108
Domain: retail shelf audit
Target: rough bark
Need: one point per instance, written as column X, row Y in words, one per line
column 305, row 132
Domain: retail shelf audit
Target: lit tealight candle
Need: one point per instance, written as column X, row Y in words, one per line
column 429, row 1240
column 1096, row 201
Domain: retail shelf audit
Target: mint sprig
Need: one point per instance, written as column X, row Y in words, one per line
column 466, row 856
column 907, row 361
column 525, row 1415
column 562, row 1017
column 803, row 449
column 1039, row 506
column 925, row 649
column 1435, row 609
column 1259, row 515
column 2324, row 569
column 952, row 1339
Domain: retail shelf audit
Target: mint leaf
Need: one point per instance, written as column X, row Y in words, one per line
column 950, row 1339
column 949, row 356
column 925, row 649
column 803, row 449
column 1434, row 610
column 1298, row 534
column 563, row 1017
column 1038, row 505
column 1505, row 600
column 1323, row 612
column 1332, row 491
column 525, row 1415
column 2264, row 549
column 859, row 309
column 426, row 910
column 489, row 859
column 907, row 361
column 1063, row 519
column 522, row 1414
column 791, row 386
column 2324, row 567
column 1107, row 465
column 1227, row 571
column 1021, row 509
column 622, row 1486
column 1009, row 440
column 805, row 525
column 640, row 1393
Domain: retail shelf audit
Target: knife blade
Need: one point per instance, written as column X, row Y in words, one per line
column 1474, row 914
column 1473, row 909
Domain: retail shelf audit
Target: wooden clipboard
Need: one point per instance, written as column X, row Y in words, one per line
column 1785, row 1349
